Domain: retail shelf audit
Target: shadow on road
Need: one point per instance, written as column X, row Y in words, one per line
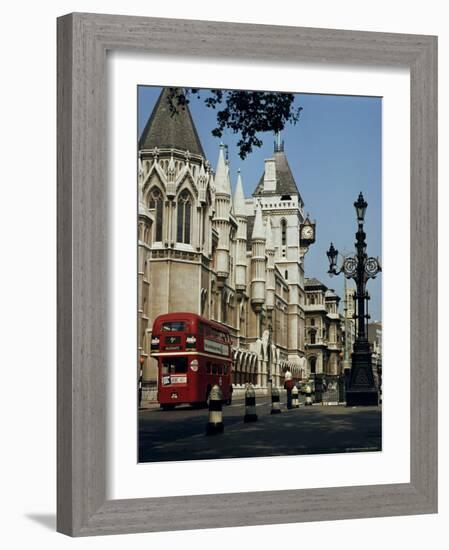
column 180, row 435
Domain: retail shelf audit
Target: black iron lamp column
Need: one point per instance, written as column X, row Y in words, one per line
column 361, row 388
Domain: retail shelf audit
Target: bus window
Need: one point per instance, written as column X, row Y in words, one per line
column 220, row 370
column 214, row 369
column 175, row 365
column 211, row 332
column 208, row 368
column 174, row 326
column 225, row 369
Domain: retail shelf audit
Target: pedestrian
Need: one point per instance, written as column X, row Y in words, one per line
column 288, row 385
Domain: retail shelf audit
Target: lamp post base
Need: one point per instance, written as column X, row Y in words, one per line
column 361, row 390
column 362, row 398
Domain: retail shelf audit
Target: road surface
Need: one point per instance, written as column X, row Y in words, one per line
column 180, row 434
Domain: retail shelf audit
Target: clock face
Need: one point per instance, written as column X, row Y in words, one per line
column 307, row 232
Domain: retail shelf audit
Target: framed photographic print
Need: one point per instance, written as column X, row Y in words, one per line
column 230, row 286
column 233, row 216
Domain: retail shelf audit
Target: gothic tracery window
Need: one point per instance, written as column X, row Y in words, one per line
column 184, row 217
column 156, row 203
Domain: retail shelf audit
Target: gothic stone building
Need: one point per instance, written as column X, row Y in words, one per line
column 323, row 329
column 236, row 260
column 348, row 326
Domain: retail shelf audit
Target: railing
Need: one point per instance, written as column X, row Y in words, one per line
column 329, row 389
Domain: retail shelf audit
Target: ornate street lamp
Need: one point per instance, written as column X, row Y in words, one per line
column 361, row 388
column 360, row 207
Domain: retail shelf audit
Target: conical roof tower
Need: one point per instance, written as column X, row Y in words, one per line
column 284, row 183
column 167, row 130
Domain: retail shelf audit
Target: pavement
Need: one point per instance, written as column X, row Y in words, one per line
column 180, row 434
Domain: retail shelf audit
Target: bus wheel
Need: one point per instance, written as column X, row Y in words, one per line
column 167, row 407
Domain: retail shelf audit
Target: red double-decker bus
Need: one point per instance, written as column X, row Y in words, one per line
column 193, row 355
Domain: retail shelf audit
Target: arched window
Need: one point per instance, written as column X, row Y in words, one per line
column 312, row 322
column 155, row 202
column 184, row 214
column 312, row 337
column 312, row 299
column 312, row 362
column 284, row 232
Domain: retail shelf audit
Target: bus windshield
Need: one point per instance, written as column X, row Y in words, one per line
column 174, row 365
column 174, row 326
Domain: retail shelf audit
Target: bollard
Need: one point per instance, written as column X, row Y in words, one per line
column 275, row 404
column 215, row 424
column 250, row 404
column 295, row 400
column 308, row 402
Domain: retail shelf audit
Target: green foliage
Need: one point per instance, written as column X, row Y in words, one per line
column 243, row 112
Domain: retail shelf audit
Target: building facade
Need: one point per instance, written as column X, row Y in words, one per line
column 236, row 260
column 348, row 326
column 323, row 329
column 375, row 339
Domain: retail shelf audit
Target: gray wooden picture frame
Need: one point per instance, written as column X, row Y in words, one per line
column 83, row 41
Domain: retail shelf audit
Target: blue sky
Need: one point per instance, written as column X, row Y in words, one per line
column 334, row 152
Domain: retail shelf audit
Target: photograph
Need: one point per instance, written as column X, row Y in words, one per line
column 232, row 224
column 259, row 273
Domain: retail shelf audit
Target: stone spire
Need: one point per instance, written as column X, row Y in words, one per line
column 222, row 182
column 221, row 220
column 258, row 229
column 241, row 235
column 239, row 197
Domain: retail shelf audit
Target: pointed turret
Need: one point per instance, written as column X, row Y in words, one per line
column 241, row 235
column 258, row 262
column 165, row 129
column 221, row 218
column 239, row 197
column 277, row 178
column 258, row 229
column 222, row 182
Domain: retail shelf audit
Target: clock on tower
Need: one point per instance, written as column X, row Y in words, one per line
column 307, row 233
